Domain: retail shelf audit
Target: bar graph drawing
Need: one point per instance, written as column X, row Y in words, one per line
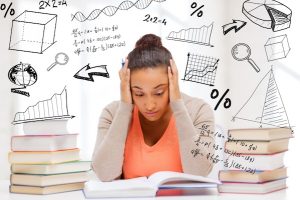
column 269, row 108
column 201, row 69
column 50, row 109
column 199, row 36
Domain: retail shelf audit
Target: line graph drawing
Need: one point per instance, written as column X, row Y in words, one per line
column 111, row 10
column 200, row 35
column 265, row 105
column 268, row 14
column 201, row 69
column 50, row 109
column 87, row 72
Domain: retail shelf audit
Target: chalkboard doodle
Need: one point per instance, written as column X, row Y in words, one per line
column 200, row 35
column 33, row 32
column 22, row 75
column 87, row 72
column 111, row 10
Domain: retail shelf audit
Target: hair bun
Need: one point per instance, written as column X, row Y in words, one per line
column 149, row 40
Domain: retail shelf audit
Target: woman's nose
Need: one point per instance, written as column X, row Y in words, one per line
column 150, row 104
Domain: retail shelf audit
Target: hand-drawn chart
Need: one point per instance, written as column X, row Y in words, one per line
column 201, row 69
column 193, row 35
column 111, row 10
column 268, row 14
column 269, row 106
column 33, row 32
column 277, row 47
column 54, row 108
column 87, row 72
column 22, row 75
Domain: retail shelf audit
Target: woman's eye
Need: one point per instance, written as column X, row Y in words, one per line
column 159, row 93
column 138, row 94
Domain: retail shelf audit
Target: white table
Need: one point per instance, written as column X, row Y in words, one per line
column 209, row 195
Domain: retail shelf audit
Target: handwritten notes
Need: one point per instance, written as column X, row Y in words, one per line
column 96, row 39
column 229, row 159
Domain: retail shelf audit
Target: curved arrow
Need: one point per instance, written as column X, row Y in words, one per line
column 236, row 25
column 87, row 72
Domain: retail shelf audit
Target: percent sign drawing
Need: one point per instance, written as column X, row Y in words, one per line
column 200, row 12
column 11, row 10
column 215, row 93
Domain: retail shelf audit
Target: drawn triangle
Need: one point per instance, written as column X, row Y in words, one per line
column 264, row 106
column 274, row 113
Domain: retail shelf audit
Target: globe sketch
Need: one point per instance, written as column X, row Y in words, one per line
column 22, row 74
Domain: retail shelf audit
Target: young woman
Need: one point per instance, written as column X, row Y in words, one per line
column 154, row 127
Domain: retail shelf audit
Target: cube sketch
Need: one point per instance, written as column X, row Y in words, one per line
column 277, row 47
column 33, row 32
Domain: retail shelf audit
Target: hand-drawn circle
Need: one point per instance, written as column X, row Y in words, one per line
column 241, row 51
column 22, row 74
column 61, row 58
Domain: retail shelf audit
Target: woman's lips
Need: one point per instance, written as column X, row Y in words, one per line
column 151, row 113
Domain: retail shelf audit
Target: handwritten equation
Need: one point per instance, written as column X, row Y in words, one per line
column 154, row 20
column 231, row 159
column 52, row 4
column 96, row 39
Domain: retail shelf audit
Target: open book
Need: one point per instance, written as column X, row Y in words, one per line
column 146, row 187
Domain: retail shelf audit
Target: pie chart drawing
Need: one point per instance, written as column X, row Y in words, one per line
column 268, row 14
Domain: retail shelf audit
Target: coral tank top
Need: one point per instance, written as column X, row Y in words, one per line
column 143, row 160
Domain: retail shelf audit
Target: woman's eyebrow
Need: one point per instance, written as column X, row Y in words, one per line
column 160, row 85
column 136, row 87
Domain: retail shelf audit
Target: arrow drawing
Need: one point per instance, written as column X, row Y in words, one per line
column 236, row 25
column 87, row 72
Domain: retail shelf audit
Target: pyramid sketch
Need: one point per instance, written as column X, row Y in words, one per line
column 265, row 105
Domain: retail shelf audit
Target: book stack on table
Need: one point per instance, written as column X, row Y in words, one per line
column 255, row 160
column 46, row 161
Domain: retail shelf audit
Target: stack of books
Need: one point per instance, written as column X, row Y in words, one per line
column 45, row 160
column 254, row 160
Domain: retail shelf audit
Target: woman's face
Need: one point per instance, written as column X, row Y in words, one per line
column 150, row 91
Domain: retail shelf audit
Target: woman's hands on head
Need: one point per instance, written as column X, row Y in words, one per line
column 124, row 75
column 174, row 92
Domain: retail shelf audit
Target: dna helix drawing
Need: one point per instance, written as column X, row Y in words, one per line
column 111, row 10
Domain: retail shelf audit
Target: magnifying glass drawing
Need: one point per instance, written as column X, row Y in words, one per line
column 241, row 52
column 61, row 59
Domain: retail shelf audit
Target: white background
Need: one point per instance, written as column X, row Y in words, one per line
column 86, row 99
